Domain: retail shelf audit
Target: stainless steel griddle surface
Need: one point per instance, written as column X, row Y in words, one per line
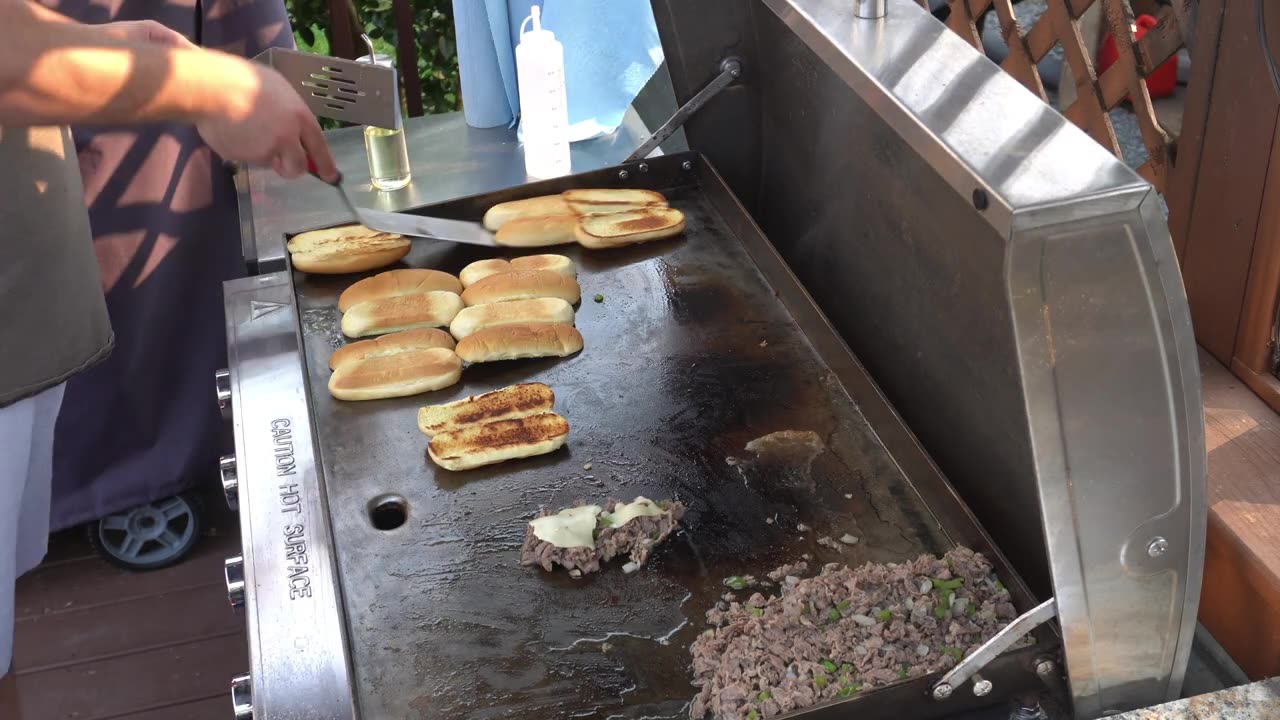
column 692, row 354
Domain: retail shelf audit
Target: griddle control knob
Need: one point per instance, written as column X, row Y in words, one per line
column 242, row 697
column 233, row 570
column 230, row 482
column 222, row 383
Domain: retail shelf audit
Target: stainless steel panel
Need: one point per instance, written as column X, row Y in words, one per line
column 896, row 167
column 1108, row 365
column 448, row 160
column 297, row 637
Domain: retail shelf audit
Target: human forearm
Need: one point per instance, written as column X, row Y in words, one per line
column 56, row 71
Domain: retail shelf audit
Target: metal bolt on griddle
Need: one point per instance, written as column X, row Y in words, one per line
column 623, row 174
column 644, row 167
column 1157, row 547
column 942, row 691
column 981, row 686
column 686, row 166
column 1045, row 667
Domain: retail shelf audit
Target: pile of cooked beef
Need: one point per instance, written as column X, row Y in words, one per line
column 843, row 632
column 636, row 539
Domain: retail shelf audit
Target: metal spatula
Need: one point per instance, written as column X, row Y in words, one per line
column 412, row 226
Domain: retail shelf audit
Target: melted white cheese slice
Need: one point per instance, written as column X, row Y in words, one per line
column 574, row 527
column 640, row 507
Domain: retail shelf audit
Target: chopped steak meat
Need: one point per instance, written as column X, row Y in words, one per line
column 636, row 539
column 844, row 631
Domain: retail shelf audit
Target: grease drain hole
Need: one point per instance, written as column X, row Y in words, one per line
column 388, row 512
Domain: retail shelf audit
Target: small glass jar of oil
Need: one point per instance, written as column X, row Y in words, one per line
column 388, row 154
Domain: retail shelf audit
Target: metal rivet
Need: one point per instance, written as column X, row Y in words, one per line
column 686, row 165
column 1157, row 547
column 981, row 686
column 980, row 200
column 644, row 167
column 623, row 174
column 941, row 691
column 1045, row 667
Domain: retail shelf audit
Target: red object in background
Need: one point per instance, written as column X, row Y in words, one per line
column 1160, row 83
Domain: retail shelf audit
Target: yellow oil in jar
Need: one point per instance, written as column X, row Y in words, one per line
column 388, row 158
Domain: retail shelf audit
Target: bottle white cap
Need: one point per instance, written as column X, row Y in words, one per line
column 538, row 34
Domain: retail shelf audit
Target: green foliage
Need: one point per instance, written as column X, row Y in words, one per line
column 433, row 36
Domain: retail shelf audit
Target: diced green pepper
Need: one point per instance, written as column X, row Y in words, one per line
column 848, row 690
column 884, row 615
column 830, row 666
column 756, row 611
column 604, row 521
column 736, row 583
column 847, row 669
column 820, row 681
column 940, row 612
column 599, row 298
column 902, row 673
column 954, row 652
column 763, row 696
column 753, row 715
column 842, row 605
column 952, row 584
column 833, row 614
column 999, row 586
column 969, row 610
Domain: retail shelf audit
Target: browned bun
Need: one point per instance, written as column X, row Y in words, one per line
column 406, row 312
column 393, row 283
column 505, row 404
column 629, row 228
column 522, row 285
column 397, row 375
column 537, row 231
column 556, row 263
column 588, row 201
column 405, row 340
column 473, row 446
column 481, row 269
column 348, row 249
column 515, row 342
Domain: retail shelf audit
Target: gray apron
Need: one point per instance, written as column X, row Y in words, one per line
column 144, row 424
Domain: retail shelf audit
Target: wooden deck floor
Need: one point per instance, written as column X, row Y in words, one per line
column 93, row 642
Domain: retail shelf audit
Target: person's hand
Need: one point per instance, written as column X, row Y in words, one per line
column 147, row 31
column 272, row 126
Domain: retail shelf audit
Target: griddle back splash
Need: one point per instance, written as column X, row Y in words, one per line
column 706, row 377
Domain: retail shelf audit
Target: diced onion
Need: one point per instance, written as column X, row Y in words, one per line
column 630, row 567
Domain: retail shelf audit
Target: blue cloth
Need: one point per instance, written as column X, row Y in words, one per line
column 611, row 50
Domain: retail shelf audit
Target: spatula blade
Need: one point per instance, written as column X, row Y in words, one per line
column 408, row 225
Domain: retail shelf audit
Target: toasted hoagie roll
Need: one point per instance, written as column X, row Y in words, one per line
column 493, row 442
column 504, row 404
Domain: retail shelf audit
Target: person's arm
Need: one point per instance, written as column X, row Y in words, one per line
column 54, row 71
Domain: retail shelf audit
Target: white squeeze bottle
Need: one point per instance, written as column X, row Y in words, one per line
column 544, row 112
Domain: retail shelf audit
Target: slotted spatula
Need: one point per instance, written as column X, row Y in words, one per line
column 412, row 226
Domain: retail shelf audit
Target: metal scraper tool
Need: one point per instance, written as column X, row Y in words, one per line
column 457, row 231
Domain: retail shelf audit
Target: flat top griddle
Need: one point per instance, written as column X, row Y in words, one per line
column 701, row 345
